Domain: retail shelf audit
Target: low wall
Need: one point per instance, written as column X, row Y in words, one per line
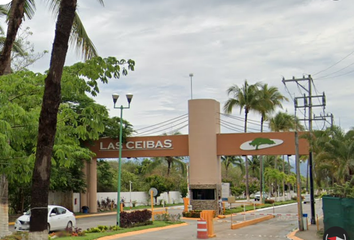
column 141, row 198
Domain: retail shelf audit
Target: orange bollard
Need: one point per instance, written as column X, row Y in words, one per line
column 186, row 203
column 121, row 207
column 208, row 215
column 202, row 231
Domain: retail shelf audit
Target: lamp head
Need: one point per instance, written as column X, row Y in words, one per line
column 129, row 97
column 115, row 97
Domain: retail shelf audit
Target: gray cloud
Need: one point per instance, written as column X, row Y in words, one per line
column 221, row 42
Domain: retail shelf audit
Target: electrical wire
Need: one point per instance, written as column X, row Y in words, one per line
column 161, row 125
column 161, row 131
column 181, row 116
column 250, row 121
column 334, row 64
column 230, row 125
column 326, row 76
column 177, row 130
column 338, row 75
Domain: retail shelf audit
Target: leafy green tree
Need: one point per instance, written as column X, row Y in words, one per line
column 245, row 97
column 104, row 177
column 162, row 184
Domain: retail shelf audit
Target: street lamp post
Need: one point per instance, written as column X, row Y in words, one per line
column 130, row 193
column 191, row 76
column 129, row 99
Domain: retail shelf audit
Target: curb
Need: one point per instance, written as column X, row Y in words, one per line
column 292, row 235
column 121, row 235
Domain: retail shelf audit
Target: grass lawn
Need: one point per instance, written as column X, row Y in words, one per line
column 251, row 207
column 91, row 236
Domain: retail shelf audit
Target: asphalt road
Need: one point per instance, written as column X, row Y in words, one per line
column 278, row 227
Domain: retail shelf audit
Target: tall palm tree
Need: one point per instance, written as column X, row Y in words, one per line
column 18, row 9
column 51, row 99
column 270, row 98
column 232, row 160
column 283, row 122
column 245, row 97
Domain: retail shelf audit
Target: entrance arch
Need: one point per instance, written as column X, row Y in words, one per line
column 204, row 145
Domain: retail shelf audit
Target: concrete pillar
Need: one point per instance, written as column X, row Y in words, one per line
column 93, row 186
column 205, row 169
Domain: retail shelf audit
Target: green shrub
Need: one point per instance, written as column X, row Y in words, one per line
column 192, row 214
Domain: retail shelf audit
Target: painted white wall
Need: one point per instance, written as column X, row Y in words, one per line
column 76, row 202
column 141, row 198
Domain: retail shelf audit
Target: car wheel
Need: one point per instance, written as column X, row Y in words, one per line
column 69, row 225
column 48, row 228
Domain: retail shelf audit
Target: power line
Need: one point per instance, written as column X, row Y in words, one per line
column 161, row 130
column 255, row 122
column 328, row 75
column 340, row 75
column 334, row 63
column 181, row 116
column 165, row 123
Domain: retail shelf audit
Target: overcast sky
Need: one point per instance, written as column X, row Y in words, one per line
column 222, row 42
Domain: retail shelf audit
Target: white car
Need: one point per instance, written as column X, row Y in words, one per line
column 307, row 198
column 59, row 218
column 257, row 196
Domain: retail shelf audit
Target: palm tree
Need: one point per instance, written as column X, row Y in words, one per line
column 283, row 122
column 270, row 98
column 18, row 9
column 51, row 99
column 232, row 160
column 337, row 153
column 245, row 98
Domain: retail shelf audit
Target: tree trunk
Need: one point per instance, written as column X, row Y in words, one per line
column 4, row 207
column 48, row 122
column 15, row 20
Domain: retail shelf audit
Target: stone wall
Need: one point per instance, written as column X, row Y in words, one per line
column 205, row 204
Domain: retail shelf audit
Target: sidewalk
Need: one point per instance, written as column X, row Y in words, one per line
column 310, row 234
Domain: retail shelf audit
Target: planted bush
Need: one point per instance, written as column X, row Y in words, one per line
column 136, row 218
column 192, row 214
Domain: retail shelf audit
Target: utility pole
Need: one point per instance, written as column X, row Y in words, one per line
column 308, row 104
column 324, row 118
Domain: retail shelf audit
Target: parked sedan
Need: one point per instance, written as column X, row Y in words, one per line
column 257, row 196
column 59, row 218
